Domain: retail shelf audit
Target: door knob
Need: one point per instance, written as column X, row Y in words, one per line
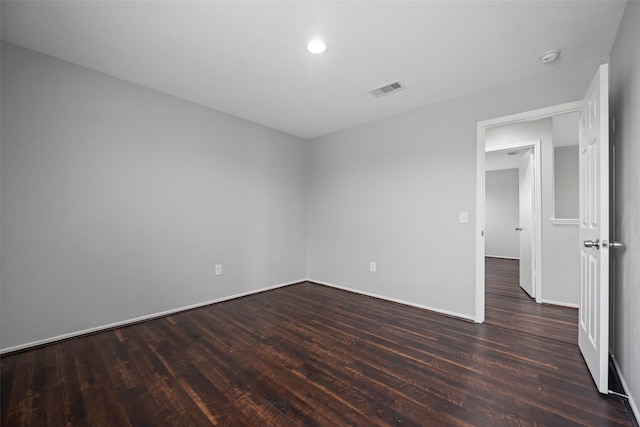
column 592, row 244
column 518, row 229
column 612, row 245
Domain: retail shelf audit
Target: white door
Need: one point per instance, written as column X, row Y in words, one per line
column 527, row 223
column 593, row 328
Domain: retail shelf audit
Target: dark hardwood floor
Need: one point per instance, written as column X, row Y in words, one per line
column 311, row 355
column 509, row 306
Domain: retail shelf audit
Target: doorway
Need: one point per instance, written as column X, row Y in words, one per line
column 483, row 129
column 512, row 206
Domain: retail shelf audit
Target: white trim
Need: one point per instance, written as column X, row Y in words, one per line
column 511, row 145
column 399, row 301
column 480, row 222
column 565, row 221
column 141, row 318
column 562, row 304
column 632, row 402
column 501, row 257
column 527, row 116
column 481, row 127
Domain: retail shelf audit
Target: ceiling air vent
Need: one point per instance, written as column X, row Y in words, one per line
column 387, row 89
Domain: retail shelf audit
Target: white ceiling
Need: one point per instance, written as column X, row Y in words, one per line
column 499, row 160
column 248, row 58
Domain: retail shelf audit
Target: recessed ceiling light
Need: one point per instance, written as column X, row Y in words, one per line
column 549, row 56
column 316, row 46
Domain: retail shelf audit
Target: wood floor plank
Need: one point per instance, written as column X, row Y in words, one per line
column 310, row 355
column 508, row 378
column 288, row 368
column 509, row 306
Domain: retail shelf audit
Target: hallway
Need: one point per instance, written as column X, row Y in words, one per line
column 508, row 306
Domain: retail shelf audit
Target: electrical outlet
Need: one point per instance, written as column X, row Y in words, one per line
column 218, row 269
column 372, row 267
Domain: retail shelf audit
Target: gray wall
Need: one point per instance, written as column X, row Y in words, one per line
column 117, row 201
column 560, row 257
column 502, row 201
column 625, row 107
column 390, row 191
column 565, row 181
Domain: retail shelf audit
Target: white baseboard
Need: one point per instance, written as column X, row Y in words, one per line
column 140, row 319
column 501, row 257
column 424, row 307
column 632, row 402
column 563, row 304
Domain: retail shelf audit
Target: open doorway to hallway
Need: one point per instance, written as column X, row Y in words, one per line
column 512, row 206
column 556, row 262
column 528, row 245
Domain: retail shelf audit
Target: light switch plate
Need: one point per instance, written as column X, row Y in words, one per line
column 464, row 217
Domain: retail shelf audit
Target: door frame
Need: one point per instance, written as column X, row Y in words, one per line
column 537, row 196
column 482, row 126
